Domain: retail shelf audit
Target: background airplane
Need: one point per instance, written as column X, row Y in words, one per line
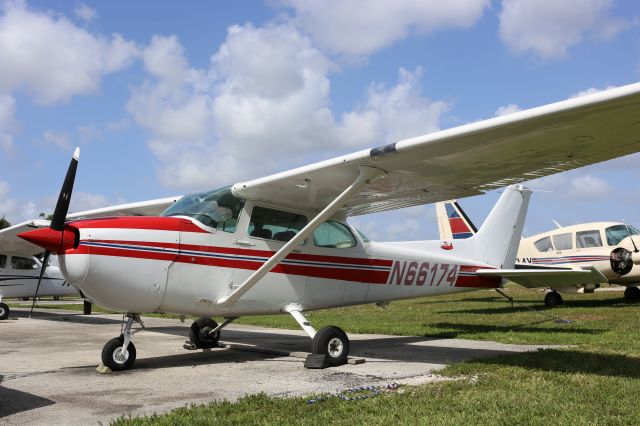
column 281, row 244
column 20, row 271
column 607, row 246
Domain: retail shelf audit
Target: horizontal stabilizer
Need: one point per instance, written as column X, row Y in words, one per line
column 556, row 277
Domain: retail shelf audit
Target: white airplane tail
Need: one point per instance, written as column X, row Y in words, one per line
column 497, row 240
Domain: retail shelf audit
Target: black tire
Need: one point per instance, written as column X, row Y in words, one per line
column 200, row 336
column 632, row 293
column 332, row 342
column 552, row 299
column 111, row 351
column 4, row 311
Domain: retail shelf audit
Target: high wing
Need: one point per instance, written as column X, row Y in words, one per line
column 467, row 160
column 11, row 243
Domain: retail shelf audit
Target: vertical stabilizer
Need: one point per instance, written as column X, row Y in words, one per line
column 497, row 241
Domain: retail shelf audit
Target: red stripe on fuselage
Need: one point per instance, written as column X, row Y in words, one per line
column 338, row 273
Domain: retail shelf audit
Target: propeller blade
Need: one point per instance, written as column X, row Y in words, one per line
column 62, row 206
column 45, row 262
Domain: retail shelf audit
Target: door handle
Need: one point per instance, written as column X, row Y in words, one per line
column 244, row 243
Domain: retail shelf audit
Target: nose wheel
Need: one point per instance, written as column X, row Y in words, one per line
column 119, row 353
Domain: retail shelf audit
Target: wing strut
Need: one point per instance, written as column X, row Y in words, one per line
column 365, row 174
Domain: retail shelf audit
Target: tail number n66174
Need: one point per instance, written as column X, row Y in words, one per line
column 407, row 272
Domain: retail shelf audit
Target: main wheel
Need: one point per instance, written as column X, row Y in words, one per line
column 113, row 357
column 4, row 311
column 632, row 293
column 332, row 342
column 552, row 299
column 200, row 333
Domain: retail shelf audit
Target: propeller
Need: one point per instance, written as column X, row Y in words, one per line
column 58, row 219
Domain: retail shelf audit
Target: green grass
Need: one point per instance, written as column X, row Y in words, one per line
column 594, row 381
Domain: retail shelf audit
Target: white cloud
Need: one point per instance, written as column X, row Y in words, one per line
column 84, row 12
column 7, row 205
column 507, row 109
column 589, row 187
column 550, row 28
column 590, row 91
column 264, row 101
column 8, row 123
column 573, row 186
column 392, row 114
column 75, row 60
column 356, row 28
column 60, row 139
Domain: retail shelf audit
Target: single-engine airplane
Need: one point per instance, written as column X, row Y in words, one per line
column 281, row 243
column 605, row 245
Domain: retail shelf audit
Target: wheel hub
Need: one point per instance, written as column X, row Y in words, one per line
column 119, row 356
column 335, row 347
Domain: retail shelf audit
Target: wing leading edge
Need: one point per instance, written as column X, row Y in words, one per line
column 470, row 159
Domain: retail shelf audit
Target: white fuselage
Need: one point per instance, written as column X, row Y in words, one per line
column 19, row 278
column 176, row 264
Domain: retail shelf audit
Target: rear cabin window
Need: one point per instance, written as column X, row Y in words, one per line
column 333, row 235
column 23, row 263
column 544, row 244
column 3, row 261
column 277, row 225
column 587, row 239
column 563, row 241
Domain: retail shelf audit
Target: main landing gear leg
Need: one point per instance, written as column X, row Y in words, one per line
column 120, row 353
column 330, row 341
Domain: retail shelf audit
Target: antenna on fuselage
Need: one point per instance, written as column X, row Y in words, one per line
column 557, row 224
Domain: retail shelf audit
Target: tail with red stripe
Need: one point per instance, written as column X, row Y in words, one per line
column 453, row 223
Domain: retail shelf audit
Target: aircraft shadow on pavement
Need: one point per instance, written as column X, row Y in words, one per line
column 392, row 348
column 571, row 361
column 14, row 401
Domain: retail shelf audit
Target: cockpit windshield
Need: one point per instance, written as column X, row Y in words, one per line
column 617, row 233
column 216, row 209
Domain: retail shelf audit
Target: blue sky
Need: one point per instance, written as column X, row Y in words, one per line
column 166, row 98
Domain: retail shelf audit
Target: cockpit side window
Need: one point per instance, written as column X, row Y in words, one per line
column 544, row 244
column 563, row 241
column 587, row 239
column 277, row 225
column 3, row 261
column 617, row 233
column 216, row 209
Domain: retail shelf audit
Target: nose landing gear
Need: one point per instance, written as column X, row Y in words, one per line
column 119, row 353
